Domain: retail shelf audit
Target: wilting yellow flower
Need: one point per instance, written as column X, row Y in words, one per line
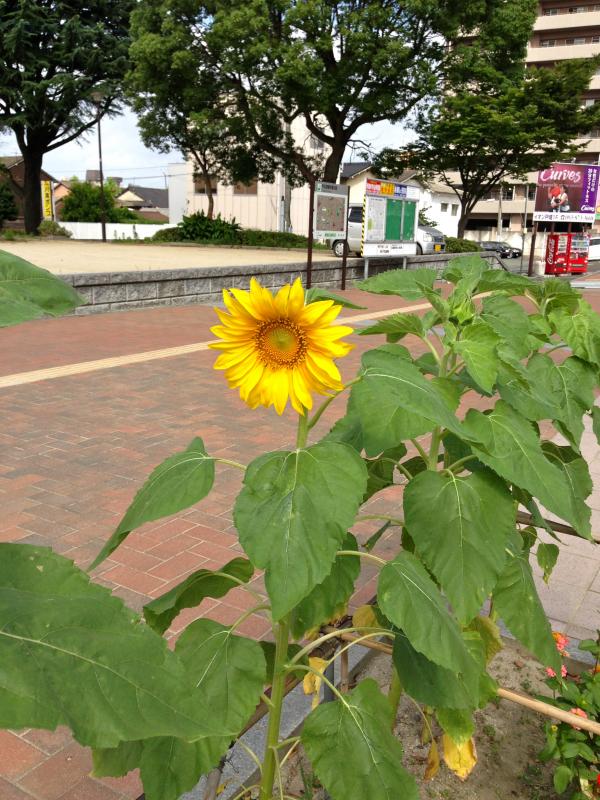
column 275, row 347
column 312, row 681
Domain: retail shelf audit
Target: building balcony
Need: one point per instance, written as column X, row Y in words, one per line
column 567, row 22
column 537, row 55
column 490, row 207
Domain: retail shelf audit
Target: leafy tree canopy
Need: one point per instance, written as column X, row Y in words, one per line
column 334, row 66
column 497, row 118
column 54, row 56
column 84, row 204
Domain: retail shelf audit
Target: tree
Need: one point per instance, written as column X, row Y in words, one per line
column 8, row 208
column 84, row 204
column 335, row 66
column 54, row 56
column 497, row 118
column 179, row 109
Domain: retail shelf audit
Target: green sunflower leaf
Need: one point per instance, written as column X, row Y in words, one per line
column 293, row 514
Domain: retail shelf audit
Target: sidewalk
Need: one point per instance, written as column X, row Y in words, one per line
column 75, row 448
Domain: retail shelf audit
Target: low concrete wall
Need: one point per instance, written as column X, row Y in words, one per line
column 113, row 291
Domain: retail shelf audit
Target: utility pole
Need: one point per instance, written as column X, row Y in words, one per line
column 97, row 98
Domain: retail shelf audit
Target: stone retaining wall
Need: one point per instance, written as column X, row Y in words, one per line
column 113, row 291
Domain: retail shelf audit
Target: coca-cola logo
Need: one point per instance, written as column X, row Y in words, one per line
column 561, row 175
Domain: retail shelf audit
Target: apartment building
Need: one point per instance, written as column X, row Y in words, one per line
column 563, row 29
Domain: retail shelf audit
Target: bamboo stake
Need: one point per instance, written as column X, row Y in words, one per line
column 528, row 702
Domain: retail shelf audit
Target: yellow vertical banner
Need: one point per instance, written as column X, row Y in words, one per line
column 47, row 199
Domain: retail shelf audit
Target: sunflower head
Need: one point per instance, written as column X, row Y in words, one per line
column 275, row 348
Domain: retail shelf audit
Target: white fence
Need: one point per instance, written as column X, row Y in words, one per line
column 114, row 230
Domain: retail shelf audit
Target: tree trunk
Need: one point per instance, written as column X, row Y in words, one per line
column 207, row 188
column 32, row 190
column 465, row 213
column 211, row 202
column 333, row 163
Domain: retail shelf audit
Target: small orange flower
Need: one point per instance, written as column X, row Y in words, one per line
column 580, row 713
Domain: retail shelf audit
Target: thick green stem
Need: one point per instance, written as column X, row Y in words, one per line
column 436, row 436
column 394, row 694
column 282, row 635
column 277, row 695
column 303, row 428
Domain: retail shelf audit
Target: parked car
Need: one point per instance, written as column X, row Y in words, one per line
column 429, row 240
column 503, row 249
column 594, row 253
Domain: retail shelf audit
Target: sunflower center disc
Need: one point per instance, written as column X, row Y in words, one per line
column 281, row 343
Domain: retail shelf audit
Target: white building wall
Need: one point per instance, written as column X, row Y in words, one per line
column 262, row 211
column 179, row 180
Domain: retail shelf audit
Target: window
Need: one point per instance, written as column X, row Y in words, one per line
column 454, row 209
column 594, row 133
column 444, row 208
column 356, row 214
column 588, row 102
column 595, row 39
column 548, row 42
column 551, row 12
column 577, row 9
column 531, row 192
column 508, row 192
column 200, row 184
column 245, row 188
column 575, row 40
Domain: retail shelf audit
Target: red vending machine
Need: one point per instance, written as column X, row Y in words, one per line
column 579, row 252
column 567, row 253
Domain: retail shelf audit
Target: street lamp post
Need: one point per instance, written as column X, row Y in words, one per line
column 97, row 98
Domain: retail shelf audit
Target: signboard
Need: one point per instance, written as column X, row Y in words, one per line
column 391, row 189
column 389, row 219
column 47, row 199
column 567, row 193
column 331, row 211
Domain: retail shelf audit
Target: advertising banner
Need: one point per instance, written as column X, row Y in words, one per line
column 377, row 188
column 47, row 199
column 567, row 193
column 330, row 219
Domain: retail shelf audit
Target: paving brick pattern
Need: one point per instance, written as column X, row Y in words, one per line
column 74, row 450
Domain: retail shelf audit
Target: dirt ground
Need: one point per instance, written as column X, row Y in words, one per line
column 508, row 738
column 65, row 258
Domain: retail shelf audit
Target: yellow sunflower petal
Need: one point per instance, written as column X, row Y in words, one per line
column 311, row 313
column 279, row 389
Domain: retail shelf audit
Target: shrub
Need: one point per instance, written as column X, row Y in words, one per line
column 51, row 228
column 254, row 238
column 167, row 235
column 8, row 208
column 200, row 228
column 454, row 245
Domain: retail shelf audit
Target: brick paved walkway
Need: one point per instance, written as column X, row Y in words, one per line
column 74, row 450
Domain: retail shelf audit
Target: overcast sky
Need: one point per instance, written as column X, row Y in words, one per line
column 125, row 156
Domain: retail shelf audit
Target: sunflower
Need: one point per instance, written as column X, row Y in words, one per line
column 276, row 347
